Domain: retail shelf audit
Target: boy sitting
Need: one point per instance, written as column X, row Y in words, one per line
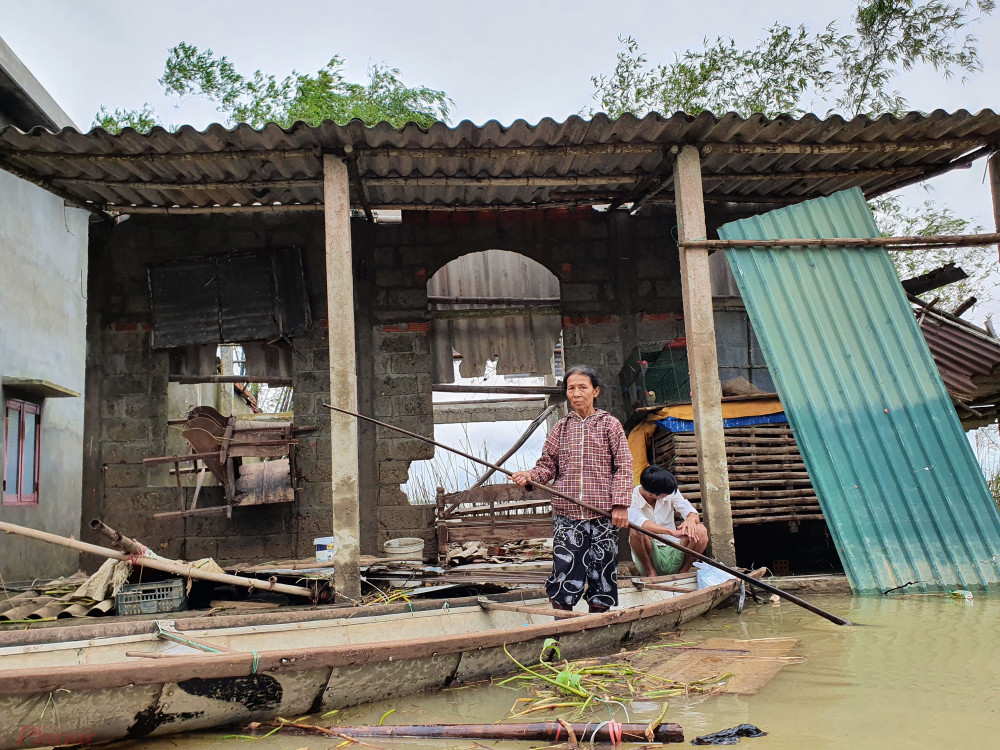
column 654, row 503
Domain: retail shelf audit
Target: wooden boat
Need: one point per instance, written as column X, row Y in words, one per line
column 108, row 681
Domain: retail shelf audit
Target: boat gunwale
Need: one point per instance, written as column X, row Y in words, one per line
column 189, row 621
column 240, row 664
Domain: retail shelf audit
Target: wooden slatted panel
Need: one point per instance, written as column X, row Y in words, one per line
column 767, row 478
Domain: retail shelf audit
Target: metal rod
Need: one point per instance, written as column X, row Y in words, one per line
column 665, row 540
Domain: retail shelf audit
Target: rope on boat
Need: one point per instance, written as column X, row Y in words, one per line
column 256, row 661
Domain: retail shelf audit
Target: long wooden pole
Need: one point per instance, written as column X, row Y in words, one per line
column 909, row 242
column 156, row 563
column 664, row 539
column 548, row 731
column 520, row 441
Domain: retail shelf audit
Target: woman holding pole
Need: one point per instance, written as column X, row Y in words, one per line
column 586, row 456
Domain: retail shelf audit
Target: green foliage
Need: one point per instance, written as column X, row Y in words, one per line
column 772, row 77
column 261, row 97
column 931, row 218
column 143, row 119
column 794, row 69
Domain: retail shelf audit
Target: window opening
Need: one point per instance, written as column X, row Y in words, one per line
column 21, row 452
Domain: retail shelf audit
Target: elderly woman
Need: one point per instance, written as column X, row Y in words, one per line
column 585, row 455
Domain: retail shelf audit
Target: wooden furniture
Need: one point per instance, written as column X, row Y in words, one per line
column 220, row 444
column 493, row 514
column 768, row 481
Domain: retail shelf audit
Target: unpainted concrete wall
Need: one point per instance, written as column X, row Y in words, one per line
column 43, row 311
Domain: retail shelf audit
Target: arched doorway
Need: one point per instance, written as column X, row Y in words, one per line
column 495, row 323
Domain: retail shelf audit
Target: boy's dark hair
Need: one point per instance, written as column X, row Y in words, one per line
column 582, row 370
column 658, row 481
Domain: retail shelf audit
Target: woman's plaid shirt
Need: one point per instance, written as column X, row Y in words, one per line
column 589, row 459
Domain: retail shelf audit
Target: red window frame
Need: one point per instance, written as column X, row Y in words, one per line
column 17, row 495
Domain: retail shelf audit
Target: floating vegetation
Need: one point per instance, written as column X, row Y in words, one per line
column 574, row 687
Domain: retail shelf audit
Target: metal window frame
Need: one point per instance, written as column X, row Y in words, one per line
column 23, row 406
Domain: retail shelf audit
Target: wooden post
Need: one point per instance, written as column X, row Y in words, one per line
column 343, row 378
column 995, row 189
column 703, row 360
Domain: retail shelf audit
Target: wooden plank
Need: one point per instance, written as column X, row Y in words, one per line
column 740, row 521
column 559, row 614
column 157, row 460
column 274, row 382
column 503, row 532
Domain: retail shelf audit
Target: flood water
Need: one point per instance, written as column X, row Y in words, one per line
column 919, row 672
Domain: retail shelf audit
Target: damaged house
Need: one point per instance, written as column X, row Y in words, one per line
column 267, row 240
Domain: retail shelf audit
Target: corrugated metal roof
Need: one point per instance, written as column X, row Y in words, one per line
column 897, row 480
column 492, row 165
column 968, row 358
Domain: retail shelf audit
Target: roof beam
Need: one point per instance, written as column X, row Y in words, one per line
column 45, row 184
column 498, row 410
column 313, row 182
column 895, row 147
column 473, row 152
column 959, row 163
column 910, row 242
column 159, row 156
column 359, row 186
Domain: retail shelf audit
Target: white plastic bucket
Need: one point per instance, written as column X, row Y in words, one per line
column 405, row 548
column 324, row 548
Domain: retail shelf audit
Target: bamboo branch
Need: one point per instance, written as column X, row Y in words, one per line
column 184, row 570
column 890, row 243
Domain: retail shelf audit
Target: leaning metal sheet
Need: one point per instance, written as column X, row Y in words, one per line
column 898, row 482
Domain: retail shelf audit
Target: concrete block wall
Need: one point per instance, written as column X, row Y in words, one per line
column 619, row 285
column 126, row 415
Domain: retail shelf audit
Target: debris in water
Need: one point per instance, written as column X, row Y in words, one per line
column 729, row 736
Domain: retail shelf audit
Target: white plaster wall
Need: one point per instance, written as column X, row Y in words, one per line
column 43, row 249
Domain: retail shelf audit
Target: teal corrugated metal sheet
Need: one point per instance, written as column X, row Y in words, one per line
column 900, row 487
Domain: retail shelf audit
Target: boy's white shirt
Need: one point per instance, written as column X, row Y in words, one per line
column 662, row 513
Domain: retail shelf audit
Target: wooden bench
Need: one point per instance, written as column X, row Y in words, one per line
column 492, row 514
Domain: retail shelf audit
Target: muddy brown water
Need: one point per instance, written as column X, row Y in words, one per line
column 921, row 672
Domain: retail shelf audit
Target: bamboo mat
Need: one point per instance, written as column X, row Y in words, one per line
column 753, row 663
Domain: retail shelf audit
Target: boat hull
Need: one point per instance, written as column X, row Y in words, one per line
column 135, row 698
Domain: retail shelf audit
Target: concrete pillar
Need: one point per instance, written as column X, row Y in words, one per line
column 703, row 361
column 343, row 377
column 995, row 189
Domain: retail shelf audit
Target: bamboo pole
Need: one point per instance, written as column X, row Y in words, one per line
column 549, row 731
column 156, row 563
column 669, row 541
column 119, row 541
column 918, row 242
